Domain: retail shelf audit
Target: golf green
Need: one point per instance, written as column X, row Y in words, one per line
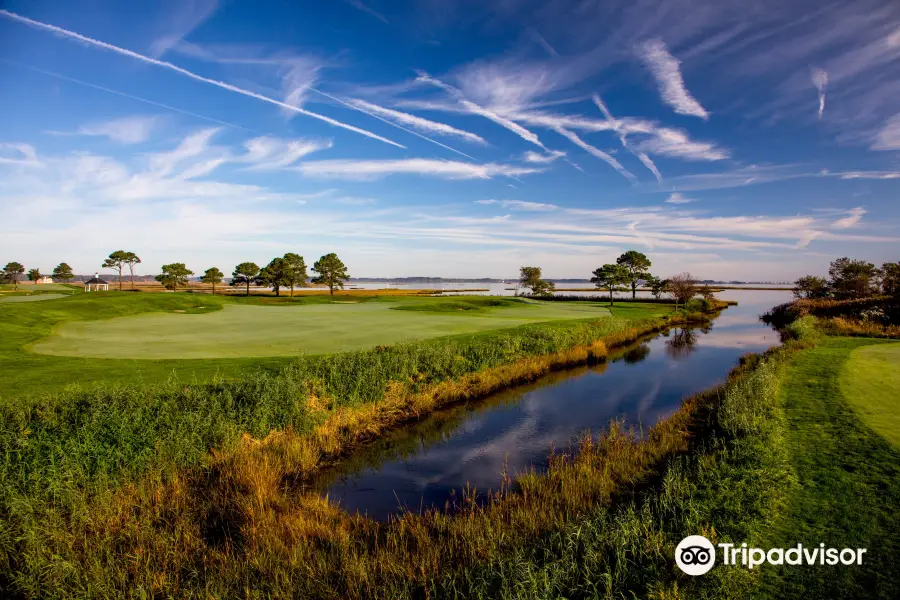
column 33, row 297
column 247, row 330
column 870, row 382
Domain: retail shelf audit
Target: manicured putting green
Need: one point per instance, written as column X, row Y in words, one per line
column 32, row 298
column 870, row 382
column 246, row 330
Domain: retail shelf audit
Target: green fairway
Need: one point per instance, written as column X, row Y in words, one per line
column 235, row 335
column 247, row 330
column 870, row 382
column 847, row 491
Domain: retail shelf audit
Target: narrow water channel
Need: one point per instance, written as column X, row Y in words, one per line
column 471, row 444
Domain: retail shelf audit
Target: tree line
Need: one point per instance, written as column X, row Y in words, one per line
column 631, row 268
column 850, row 279
column 288, row 271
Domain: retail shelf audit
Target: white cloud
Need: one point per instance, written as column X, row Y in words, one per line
column 366, row 170
column 820, row 80
column 888, row 138
column 189, row 15
column 419, row 123
column 475, row 109
column 678, row 198
column 192, row 75
column 596, row 152
column 667, row 71
column 19, row 154
column 520, row 205
column 676, row 143
column 869, row 175
column 623, row 138
column 125, row 130
column 854, row 215
column 265, row 153
column 538, row 158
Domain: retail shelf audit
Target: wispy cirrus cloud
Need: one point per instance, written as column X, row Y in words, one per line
column 854, row 216
column 19, row 154
column 604, row 156
column 268, row 153
column 666, row 70
column 820, row 80
column 675, row 143
column 420, row 123
column 125, row 130
column 542, row 159
column 188, row 15
column 623, row 138
column 166, row 65
column 359, row 5
column 888, row 137
column 520, row 204
column 481, row 111
column 366, row 170
column 678, row 198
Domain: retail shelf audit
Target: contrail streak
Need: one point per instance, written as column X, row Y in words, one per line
column 192, row 75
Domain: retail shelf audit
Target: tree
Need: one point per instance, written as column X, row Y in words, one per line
column 331, row 271
column 11, row 273
column 637, row 264
column 851, row 278
column 132, row 259
column 34, row 275
column 273, row 275
column 116, row 260
column 294, row 271
column 683, row 287
column 811, row 287
column 174, row 275
column 657, row 286
column 530, row 277
column 63, row 272
column 212, row 276
column 245, row 273
column 609, row 276
column 890, row 279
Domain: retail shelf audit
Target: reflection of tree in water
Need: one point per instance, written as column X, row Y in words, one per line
column 681, row 342
column 636, row 354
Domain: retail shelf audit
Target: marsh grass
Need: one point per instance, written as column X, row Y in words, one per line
column 601, row 522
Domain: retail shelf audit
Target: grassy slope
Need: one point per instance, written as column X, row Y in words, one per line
column 26, row 373
column 848, row 481
column 870, row 382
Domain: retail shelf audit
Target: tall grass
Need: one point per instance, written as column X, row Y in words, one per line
column 86, row 476
column 602, row 522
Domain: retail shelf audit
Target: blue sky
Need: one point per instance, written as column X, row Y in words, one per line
column 452, row 138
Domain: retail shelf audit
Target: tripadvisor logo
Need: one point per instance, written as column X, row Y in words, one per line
column 696, row 555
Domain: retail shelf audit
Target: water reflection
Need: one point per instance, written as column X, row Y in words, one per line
column 682, row 342
column 474, row 444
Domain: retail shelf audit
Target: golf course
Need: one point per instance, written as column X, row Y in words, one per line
column 233, row 329
column 88, row 339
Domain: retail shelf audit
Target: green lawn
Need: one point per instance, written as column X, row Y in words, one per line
column 246, row 330
column 847, row 492
column 31, row 297
column 870, row 382
column 118, row 337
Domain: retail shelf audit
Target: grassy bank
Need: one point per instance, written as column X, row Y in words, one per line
column 85, row 472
